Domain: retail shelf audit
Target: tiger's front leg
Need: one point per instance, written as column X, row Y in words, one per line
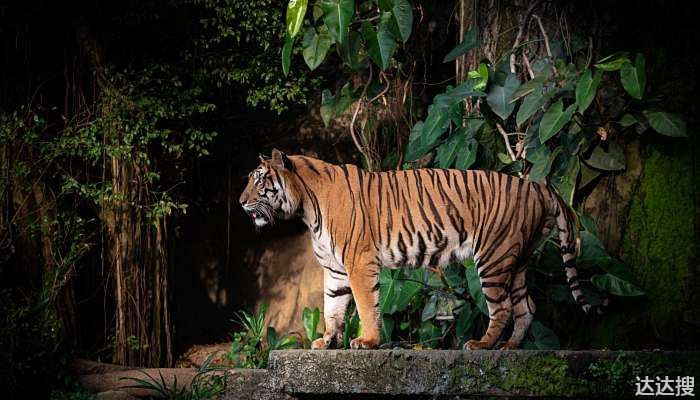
column 364, row 281
column 336, row 296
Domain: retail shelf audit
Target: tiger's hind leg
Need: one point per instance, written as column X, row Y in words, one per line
column 495, row 281
column 336, row 297
column 523, row 308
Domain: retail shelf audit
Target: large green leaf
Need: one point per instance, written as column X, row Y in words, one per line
column 634, row 77
column 607, row 158
column 403, row 17
column 528, row 87
column 380, row 45
column 666, row 124
column 327, row 107
column 467, row 157
column 465, row 321
column 593, row 253
column 586, row 88
column 543, row 337
column 475, row 286
column 614, row 285
column 469, row 42
column 310, row 321
column 499, row 97
column 554, row 120
column 425, row 134
column 388, row 290
column 315, row 46
column 409, row 289
column 531, row 103
column 542, row 162
column 287, row 54
column 430, row 308
column 295, row 16
column 448, row 151
column 349, row 51
column 387, row 328
column 455, row 95
column 613, row 62
column 336, row 16
column 429, row 334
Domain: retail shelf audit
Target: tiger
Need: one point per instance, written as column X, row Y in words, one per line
column 362, row 221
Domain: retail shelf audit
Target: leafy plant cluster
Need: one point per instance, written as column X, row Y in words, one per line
column 208, row 382
column 563, row 122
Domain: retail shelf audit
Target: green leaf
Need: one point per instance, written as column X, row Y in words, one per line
column 666, row 124
column 467, row 157
column 387, row 294
column 634, row 77
column 613, row 62
column 403, row 16
column 327, row 107
column 296, row 9
column 349, row 51
column 310, row 321
column 542, row 163
column 481, row 75
column 429, row 334
column 544, row 338
column 499, row 97
column 593, row 252
column 528, row 87
column 315, row 46
column 475, row 286
column 448, row 151
column 287, row 54
column 387, row 328
column 409, row 289
column 336, row 16
column 465, row 321
column 586, row 89
column 554, row 120
column 430, row 308
column 424, row 135
column 588, row 174
column 455, row 95
column 469, row 42
column 380, row 45
column 611, row 158
column 531, row 103
column 614, row 285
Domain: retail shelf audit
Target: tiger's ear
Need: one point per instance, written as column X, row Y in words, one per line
column 281, row 161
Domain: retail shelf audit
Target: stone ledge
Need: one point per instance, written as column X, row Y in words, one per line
column 449, row 373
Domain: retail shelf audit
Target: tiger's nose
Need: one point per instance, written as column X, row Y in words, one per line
column 243, row 199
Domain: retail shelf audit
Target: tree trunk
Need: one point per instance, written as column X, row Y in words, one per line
column 135, row 243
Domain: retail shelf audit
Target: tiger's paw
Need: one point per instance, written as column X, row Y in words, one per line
column 476, row 345
column 321, row 343
column 363, row 343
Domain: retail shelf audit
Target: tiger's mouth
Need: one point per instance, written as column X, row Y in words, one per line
column 260, row 213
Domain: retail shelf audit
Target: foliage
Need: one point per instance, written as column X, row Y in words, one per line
column 238, row 45
column 206, row 383
column 310, row 320
column 567, row 122
column 251, row 347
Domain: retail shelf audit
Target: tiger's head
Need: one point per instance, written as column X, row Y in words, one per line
column 270, row 192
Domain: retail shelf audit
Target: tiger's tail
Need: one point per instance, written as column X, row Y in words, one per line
column 570, row 246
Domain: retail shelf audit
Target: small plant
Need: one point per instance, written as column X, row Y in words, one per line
column 248, row 349
column 310, row 320
column 206, row 384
